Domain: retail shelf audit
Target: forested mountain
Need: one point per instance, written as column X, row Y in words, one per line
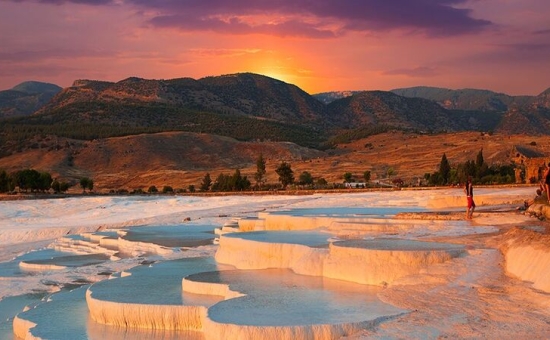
column 26, row 98
column 464, row 99
column 244, row 94
column 250, row 107
column 519, row 114
column 385, row 108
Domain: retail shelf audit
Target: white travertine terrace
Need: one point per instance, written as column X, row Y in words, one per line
column 285, row 268
column 121, row 302
column 374, row 262
column 39, row 267
column 62, row 262
column 152, row 316
column 381, row 261
column 482, row 197
column 22, row 328
column 278, row 304
column 528, row 257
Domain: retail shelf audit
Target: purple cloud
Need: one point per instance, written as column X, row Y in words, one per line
column 431, row 17
column 235, row 25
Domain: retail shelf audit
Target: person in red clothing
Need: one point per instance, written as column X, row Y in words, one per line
column 546, row 181
column 469, row 191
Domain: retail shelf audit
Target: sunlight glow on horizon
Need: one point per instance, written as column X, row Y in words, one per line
column 334, row 47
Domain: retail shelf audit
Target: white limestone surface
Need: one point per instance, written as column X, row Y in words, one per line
column 382, row 261
column 309, row 219
column 374, row 262
column 279, row 304
column 527, row 256
column 151, row 297
column 483, row 196
column 275, row 249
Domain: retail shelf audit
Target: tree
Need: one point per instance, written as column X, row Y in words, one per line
column 348, row 177
column 90, row 184
column 191, row 188
column 206, row 182
column 286, row 175
column 305, row 178
column 152, row 189
column 4, row 181
column 64, row 186
column 366, row 176
column 84, row 182
column 259, row 176
column 390, row 172
column 26, row 179
column 44, row 181
column 56, row 186
column 238, row 182
column 479, row 159
column 167, row 189
column 322, row 182
column 444, row 169
column 480, row 166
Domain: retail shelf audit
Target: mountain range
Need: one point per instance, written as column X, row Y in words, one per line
column 247, row 107
column 185, row 103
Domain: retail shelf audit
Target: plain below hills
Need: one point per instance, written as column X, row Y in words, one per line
column 180, row 159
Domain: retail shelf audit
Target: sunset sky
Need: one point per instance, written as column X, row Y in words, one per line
column 319, row 45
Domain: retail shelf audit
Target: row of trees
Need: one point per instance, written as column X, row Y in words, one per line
column 348, row 177
column 36, row 181
column 479, row 170
column 237, row 182
column 30, row 180
column 25, row 180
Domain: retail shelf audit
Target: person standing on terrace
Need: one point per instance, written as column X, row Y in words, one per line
column 469, row 191
column 546, row 182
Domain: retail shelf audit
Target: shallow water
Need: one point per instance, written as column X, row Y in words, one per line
column 307, row 238
column 346, row 211
column 10, row 306
column 173, row 236
column 12, row 269
column 279, row 297
column 157, row 283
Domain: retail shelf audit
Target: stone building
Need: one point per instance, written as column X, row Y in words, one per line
column 530, row 164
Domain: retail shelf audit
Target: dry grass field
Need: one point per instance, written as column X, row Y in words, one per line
column 178, row 159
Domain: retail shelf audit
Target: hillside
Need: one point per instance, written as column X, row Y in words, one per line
column 250, row 107
column 26, row 98
column 243, row 94
column 169, row 158
column 139, row 132
column 179, row 159
column 463, row 99
column 372, row 108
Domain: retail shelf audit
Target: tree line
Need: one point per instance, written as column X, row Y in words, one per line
column 34, row 181
column 478, row 169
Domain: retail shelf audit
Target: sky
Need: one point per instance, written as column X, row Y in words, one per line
column 321, row 45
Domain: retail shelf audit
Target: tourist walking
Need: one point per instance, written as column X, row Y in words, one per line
column 546, row 180
column 469, row 191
